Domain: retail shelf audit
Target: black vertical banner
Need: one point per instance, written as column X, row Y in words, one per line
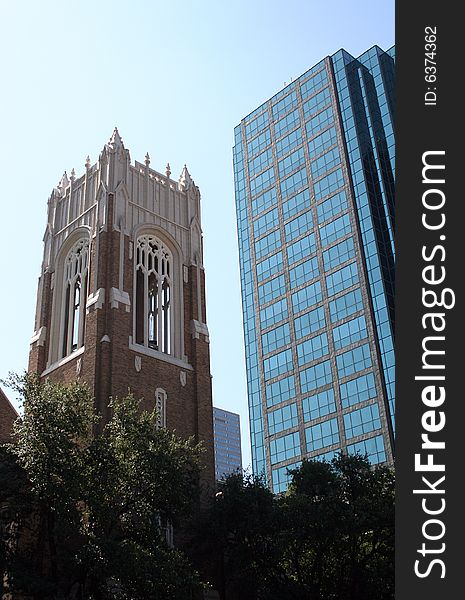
column 430, row 325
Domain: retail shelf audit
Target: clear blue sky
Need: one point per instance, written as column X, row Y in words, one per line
column 175, row 77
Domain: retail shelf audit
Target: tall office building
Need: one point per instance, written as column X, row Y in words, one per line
column 227, row 439
column 314, row 184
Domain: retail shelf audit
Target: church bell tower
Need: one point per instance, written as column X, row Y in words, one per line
column 121, row 295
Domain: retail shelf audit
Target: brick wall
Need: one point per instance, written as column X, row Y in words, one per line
column 7, row 417
column 109, row 366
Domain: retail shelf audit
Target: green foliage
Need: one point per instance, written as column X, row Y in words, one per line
column 339, row 519
column 89, row 513
column 84, row 515
column 330, row 536
column 236, row 537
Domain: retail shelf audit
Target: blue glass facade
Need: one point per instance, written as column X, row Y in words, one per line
column 365, row 89
column 314, row 177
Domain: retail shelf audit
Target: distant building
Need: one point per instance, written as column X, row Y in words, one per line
column 8, row 416
column 314, row 176
column 227, row 436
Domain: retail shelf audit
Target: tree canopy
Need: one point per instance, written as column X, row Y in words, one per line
column 330, row 536
column 89, row 516
column 87, row 511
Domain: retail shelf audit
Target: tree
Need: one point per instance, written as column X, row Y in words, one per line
column 338, row 521
column 88, row 514
column 85, row 516
column 236, row 537
column 330, row 536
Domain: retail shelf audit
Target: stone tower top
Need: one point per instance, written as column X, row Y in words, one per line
column 141, row 196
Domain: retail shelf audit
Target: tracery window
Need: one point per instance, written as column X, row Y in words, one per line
column 153, row 266
column 75, row 277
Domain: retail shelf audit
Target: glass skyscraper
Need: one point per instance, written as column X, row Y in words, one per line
column 227, row 439
column 314, row 185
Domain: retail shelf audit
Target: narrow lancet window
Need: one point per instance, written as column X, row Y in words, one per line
column 76, row 314
column 75, row 297
column 153, row 311
column 152, row 287
column 166, row 316
column 160, row 406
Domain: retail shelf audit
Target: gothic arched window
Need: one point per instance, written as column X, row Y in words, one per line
column 75, row 277
column 153, row 265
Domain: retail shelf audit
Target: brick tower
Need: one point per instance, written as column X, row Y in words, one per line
column 121, row 295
